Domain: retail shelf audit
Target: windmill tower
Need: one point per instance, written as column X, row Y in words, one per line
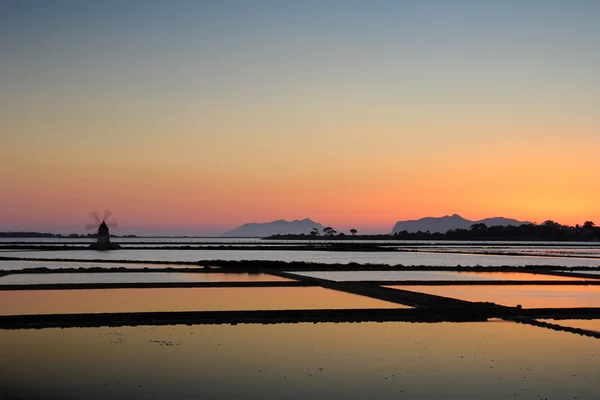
column 103, row 235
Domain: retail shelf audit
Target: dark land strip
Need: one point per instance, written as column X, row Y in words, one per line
column 398, row 296
column 331, row 246
column 270, row 265
column 428, row 308
column 459, row 314
column 562, row 328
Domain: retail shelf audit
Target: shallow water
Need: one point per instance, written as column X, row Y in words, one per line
column 588, row 324
column 493, row 360
column 21, row 302
column 432, row 276
column 10, row 265
column 574, row 272
column 527, row 296
column 133, row 277
column 327, row 257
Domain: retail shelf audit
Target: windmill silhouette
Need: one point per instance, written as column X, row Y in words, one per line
column 103, row 235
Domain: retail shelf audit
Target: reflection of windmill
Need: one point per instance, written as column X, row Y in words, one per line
column 103, row 235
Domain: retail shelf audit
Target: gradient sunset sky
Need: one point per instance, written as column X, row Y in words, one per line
column 194, row 117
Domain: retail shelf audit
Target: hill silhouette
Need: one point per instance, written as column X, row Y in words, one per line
column 450, row 222
column 279, row 227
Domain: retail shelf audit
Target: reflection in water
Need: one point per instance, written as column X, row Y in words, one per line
column 133, row 277
column 527, row 296
column 587, row 324
column 327, row 257
column 583, row 271
column 497, row 360
column 432, row 276
column 11, row 265
column 195, row 299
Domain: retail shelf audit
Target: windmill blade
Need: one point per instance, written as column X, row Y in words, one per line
column 95, row 216
column 107, row 214
column 90, row 226
column 112, row 224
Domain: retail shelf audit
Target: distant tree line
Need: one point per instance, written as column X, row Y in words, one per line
column 548, row 231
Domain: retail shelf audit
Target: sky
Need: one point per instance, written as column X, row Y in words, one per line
column 194, row 117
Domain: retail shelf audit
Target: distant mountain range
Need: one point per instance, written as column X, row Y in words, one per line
column 279, row 227
column 449, row 222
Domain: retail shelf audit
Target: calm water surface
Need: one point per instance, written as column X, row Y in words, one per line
column 527, row 296
column 133, row 277
column 23, row 264
column 328, row 257
column 21, row 302
column 431, row 276
column 493, row 360
column 588, row 324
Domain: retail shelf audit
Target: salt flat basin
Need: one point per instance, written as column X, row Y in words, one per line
column 133, row 277
column 587, row 324
column 327, row 257
column 432, row 276
column 180, row 299
column 583, row 271
column 12, row 265
column 394, row 360
column 528, row 296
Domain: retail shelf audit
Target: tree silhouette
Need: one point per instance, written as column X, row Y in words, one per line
column 479, row 227
column 353, row 231
column 329, row 231
column 314, row 232
column 588, row 224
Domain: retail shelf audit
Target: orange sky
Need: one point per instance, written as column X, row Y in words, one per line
column 481, row 180
column 182, row 121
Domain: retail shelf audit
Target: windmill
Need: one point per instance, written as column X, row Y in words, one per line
column 103, row 235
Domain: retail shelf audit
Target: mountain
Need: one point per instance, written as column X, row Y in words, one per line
column 448, row 222
column 501, row 221
column 280, row 226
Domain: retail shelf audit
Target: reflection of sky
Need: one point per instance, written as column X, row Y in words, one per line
column 133, row 277
column 328, row 257
column 527, row 296
column 352, row 361
column 588, row 324
column 431, row 276
column 180, row 299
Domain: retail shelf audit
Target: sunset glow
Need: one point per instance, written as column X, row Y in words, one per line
column 194, row 118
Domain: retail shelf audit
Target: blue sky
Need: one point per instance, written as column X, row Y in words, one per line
column 249, row 100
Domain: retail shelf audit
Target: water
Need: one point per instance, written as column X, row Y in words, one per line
column 431, row 276
column 564, row 296
column 495, row 360
column 574, row 251
column 583, row 271
column 587, row 324
column 133, row 277
column 165, row 240
column 21, row 302
column 11, row 265
column 327, row 257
